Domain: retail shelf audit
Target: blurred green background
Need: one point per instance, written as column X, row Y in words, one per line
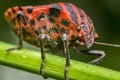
column 105, row 15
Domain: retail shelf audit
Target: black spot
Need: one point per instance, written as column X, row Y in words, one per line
column 36, row 32
column 54, row 30
column 13, row 11
column 32, row 22
column 25, row 33
column 67, row 32
column 78, row 29
column 54, row 12
column 80, row 39
column 62, row 30
column 29, row 10
column 51, row 19
column 9, row 13
column 44, row 27
column 65, row 22
column 73, row 37
column 20, row 8
column 40, row 16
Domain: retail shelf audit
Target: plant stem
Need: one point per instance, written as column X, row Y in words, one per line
column 29, row 60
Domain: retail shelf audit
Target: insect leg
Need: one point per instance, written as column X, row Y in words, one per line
column 52, row 42
column 66, row 51
column 95, row 52
column 41, row 37
column 20, row 41
column 19, row 16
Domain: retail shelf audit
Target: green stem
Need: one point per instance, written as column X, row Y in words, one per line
column 29, row 60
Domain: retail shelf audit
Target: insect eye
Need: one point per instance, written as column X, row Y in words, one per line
column 54, row 12
column 20, row 16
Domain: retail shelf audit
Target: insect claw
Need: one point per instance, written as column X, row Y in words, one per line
column 65, row 73
column 11, row 49
column 41, row 68
column 95, row 52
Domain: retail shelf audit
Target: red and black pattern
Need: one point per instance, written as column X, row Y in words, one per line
column 66, row 16
column 56, row 26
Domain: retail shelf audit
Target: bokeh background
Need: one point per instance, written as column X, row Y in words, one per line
column 105, row 15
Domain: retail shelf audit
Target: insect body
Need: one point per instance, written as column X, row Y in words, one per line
column 56, row 26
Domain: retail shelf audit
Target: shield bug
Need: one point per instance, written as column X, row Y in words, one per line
column 61, row 26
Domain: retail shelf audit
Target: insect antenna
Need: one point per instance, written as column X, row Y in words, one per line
column 107, row 44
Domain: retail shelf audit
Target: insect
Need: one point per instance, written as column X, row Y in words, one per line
column 61, row 26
